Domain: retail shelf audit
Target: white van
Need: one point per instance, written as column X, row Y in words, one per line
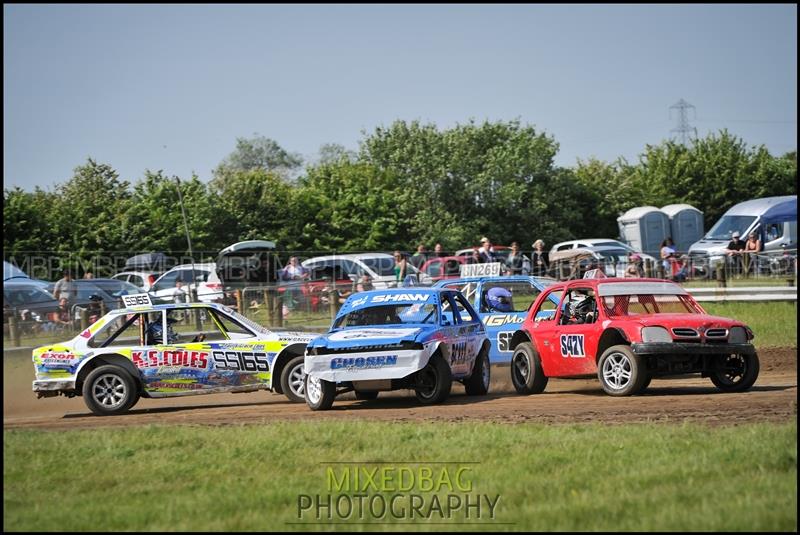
column 774, row 219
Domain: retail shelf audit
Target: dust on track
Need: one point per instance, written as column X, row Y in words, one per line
column 773, row 398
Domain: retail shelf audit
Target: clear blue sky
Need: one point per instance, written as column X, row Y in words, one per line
column 172, row 87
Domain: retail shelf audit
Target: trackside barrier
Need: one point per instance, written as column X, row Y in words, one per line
column 742, row 293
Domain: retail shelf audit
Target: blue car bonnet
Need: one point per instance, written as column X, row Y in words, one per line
column 380, row 335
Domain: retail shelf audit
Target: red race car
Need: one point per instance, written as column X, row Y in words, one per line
column 628, row 331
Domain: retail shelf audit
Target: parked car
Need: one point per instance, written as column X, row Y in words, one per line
column 109, row 291
column 599, row 244
column 379, row 266
column 627, row 332
column 143, row 280
column 502, row 304
column 444, row 267
column 142, row 270
column 417, row 338
column 201, row 278
column 126, row 355
column 29, row 301
column 501, row 251
column 12, row 273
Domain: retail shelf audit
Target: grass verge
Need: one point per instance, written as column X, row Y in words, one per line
column 572, row 477
column 774, row 324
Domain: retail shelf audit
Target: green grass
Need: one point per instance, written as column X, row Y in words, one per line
column 774, row 324
column 571, row 477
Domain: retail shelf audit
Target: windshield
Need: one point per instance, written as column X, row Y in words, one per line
column 26, row 294
column 728, row 224
column 394, row 314
column 647, row 304
column 246, row 322
column 117, row 288
column 384, row 266
column 614, row 255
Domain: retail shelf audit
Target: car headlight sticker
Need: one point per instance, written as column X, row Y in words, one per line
column 655, row 334
column 737, row 335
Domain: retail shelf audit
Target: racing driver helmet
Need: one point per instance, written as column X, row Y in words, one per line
column 499, row 300
column 155, row 334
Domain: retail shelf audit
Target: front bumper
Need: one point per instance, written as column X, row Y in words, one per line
column 344, row 366
column 680, row 348
column 53, row 386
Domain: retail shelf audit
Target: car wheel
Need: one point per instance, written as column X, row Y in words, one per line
column 109, row 390
column 621, row 371
column 319, row 393
column 366, row 396
column 293, row 378
column 735, row 373
column 527, row 374
column 434, row 381
column 478, row 383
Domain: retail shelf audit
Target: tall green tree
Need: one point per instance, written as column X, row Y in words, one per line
column 258, row 153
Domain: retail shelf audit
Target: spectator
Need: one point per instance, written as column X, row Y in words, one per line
column 683, row 270
column 486, row 252
column 634, row 269
column 400, row 267
column 667, row 255
column 475, row 256
column 179, row 294
column 734, row 252
column 438, row 251
column 293, row 271
column 751, row 248
column 514, row 262
column 66, row 288
column 88, row 275
column 63, row 316
column 419, row 257
column 364, row 283
column 540, row 259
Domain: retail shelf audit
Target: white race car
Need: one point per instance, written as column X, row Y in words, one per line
column 208, row 348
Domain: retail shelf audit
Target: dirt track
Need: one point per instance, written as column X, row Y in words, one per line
column 773, row 398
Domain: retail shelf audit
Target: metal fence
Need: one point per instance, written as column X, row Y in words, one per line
column 312, row 305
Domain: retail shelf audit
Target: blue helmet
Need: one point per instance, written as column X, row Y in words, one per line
column 500, row 299
column 155, row 333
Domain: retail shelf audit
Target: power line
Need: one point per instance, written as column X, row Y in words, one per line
column 683, row 128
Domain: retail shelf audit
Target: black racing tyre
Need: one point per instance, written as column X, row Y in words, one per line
column 366, row 395
column 478, row 383
column 319, row 393
column 621, row 371
column 527, row 374
column 293, row 380
column 109, row 390
column 735, row 373
column 434, row 381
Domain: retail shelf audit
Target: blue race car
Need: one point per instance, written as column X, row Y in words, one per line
column 417, row 338
column 502, row 304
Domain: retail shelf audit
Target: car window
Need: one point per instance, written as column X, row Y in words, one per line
column 547, row 308
column 232, row 328
column 564, row 247
column 124, row 330
column 382, row 266
column 167, row 281
column 578, row 307
column 434, row 269
column 464, row 311
column 523, row 294
column 136, row 281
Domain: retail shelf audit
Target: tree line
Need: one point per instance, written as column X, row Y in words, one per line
column 408, row 183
